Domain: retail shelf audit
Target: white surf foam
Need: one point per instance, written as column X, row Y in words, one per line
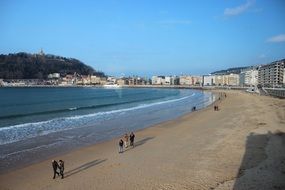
column 19, row 132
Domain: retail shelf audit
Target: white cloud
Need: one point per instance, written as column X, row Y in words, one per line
column 239, row 9
column 276, row 39
column 175, row 22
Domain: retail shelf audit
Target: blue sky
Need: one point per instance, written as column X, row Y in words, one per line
column 145, row 38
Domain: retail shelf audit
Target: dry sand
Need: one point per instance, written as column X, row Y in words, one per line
column 242, row 146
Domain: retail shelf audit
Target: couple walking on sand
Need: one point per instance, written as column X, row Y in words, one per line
column 126, row 141
column 216, row 108
column 55, row 166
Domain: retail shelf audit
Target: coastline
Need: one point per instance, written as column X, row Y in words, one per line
column 38, row 149
column 131, row 86
column 192, row 152
column 274, row 92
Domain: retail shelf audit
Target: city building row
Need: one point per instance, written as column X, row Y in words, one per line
column 269, row 75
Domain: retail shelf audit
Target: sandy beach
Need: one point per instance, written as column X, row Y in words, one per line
column 241, row 146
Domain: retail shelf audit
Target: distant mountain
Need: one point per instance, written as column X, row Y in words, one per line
column 235, row 70
column 38, row 66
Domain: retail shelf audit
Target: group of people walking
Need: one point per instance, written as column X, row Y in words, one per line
column 128, row 141
column 58, row 166
column 221, row 95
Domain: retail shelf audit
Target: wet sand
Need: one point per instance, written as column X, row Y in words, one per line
column 241, row 146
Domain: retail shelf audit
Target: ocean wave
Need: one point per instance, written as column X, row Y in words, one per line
column 11, row 134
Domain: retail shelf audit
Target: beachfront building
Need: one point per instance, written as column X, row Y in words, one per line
column 136, row 81
column 68, row 80
column 154, row 80
column 185, row 80
column 95, row 80
column 284, row 76
column 208, row 80
column 227, row 80
column 219, row 79
column 103, row 80
column 122, row 81
column 176, row 80
column 171, row 80
column 232, row 80
column 272, row 75
column 197, row 80
column 248, row 77
column 158, row 80
column 83, row 80
column 131, row 81
column 111, row 80
column 168, row 80
column 141, row 81
column 190, row 80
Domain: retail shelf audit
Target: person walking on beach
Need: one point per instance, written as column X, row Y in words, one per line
column 132, row 139
column 121, row 144
column 126, row 137
column 61, row 168
column 54, row 167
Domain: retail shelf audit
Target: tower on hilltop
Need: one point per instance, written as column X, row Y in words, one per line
column 41, row 52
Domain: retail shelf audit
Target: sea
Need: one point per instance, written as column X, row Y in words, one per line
column 38, row 123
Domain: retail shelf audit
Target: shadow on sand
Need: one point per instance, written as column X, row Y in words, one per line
column 143, row 141
column 83, row 167
column 139, row 143
column 263, row 164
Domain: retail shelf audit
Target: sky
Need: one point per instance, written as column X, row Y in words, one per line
column 147, row 37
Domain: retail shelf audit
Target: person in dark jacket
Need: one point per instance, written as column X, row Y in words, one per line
column 54, row 167
column 132, row 139
column 121, row 145
column 61, row 168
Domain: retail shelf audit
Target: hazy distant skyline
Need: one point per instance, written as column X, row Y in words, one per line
column 148, row 37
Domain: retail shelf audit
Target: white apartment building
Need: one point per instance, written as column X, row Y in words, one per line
column 168, row 80
column 171, row 80
column 208, row 80
column 158, row 80
column 249, row 78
